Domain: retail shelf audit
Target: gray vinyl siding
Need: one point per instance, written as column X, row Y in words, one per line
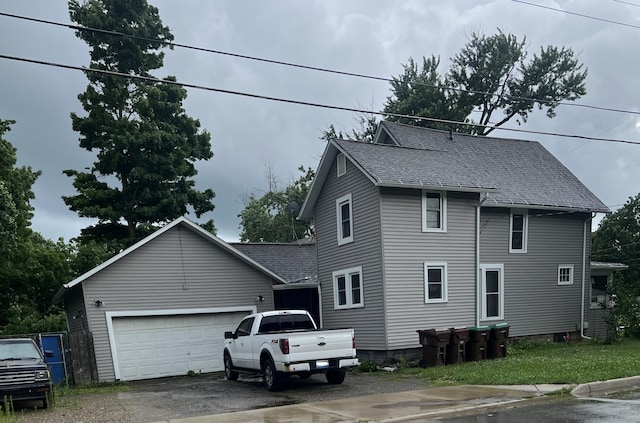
column 365, row 251
column 534, row 303
column 75, row 311
column 406, row 248
column 178, row 270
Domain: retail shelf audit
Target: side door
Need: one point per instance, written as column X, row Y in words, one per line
column 241, row 345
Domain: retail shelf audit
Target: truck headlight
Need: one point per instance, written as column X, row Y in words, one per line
column 42, row 374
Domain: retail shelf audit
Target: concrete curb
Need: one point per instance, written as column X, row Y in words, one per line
column 586, row 389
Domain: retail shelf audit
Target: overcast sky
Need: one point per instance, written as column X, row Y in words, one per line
column 364, row 36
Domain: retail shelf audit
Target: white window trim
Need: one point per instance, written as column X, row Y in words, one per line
column 339, row 202
column 432, row 265
column 347, row 273
column 571, row 274
column 443, row 212
column 341, row 165
column 500, row 269
column 525, row 230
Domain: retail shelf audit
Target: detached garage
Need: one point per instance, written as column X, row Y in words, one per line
column 161, row 307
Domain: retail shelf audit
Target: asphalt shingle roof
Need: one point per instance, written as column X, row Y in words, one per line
column 294, row 262
column 513, row 172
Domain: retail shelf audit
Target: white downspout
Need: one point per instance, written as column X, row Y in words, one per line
column 478, row 274
column 584, row 276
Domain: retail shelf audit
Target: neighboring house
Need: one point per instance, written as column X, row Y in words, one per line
column 160, row 307
column 601, row 304
column 430, row 229
column 296, row 264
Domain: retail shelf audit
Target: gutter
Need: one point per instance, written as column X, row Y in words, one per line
column 584, row 276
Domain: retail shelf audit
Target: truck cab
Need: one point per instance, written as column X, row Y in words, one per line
column 23, row 372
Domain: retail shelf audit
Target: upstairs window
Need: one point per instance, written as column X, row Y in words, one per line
column 434, row 211
column 344, row 216
column 347, row 288
column 565, row 274
column 435, row 282
column 518, row 232
column 341, row 165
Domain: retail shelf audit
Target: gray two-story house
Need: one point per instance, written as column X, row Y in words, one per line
column 430, row 229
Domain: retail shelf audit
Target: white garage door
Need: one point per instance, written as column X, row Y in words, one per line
column 158, row 346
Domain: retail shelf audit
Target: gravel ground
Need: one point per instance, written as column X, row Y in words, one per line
column 163, row 399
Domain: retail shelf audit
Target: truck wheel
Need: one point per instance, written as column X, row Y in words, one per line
column 336, row 377
column 45, row 402
column 272, row 378
column 228, row 368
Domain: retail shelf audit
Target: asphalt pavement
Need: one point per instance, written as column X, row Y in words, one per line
column 415, row 405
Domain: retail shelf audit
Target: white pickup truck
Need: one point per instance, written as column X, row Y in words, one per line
column 282, row 343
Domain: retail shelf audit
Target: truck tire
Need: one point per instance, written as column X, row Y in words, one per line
column 336, row 376
column 228, row 368
column 273, row 380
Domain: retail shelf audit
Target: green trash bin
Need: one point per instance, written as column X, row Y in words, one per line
column 497, row 346
column 434, row 347
column 476, row 347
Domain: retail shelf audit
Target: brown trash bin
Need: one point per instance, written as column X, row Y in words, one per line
column 476, row 347
column 456, row 350
column 434, row 347
column 497, row 346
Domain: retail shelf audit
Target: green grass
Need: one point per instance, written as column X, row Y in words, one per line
column 538, row 363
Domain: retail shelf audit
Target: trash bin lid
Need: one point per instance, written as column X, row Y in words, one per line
column 499, row 326
column 479, row 328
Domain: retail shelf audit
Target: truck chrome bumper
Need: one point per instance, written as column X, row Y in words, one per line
column 315, row 367
column 349, row 362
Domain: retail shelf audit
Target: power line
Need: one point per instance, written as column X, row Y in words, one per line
column 295, row 65
column 595, row 18
column 627, row 2
column 300, row 102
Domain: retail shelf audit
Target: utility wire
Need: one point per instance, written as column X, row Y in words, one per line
column 303, row 103
column 595, row 18
column 627, row 2
column 295, row 65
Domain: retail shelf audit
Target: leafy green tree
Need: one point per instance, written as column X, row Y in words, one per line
column 268, row 218
column 31, row 268
column 146, row 144
column 491, row 74
column 618, row 240
column 15, row 193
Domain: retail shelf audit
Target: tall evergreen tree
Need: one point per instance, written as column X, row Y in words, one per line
column 146, row 144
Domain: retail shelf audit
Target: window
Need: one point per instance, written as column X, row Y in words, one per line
column 492, row 291
column 434, row 211
column 565, row 274
column 341, row 165
column 344, row 214
column 518, row 232
column 435, row 282
column 244, row 328
column 347, row 288
column 599, row 296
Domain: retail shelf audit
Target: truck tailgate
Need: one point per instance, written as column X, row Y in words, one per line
column 322, row 344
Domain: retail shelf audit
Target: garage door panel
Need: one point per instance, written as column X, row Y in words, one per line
column 160, row 346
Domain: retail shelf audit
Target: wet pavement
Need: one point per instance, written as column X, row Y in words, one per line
column 388, row 407
column 413, row 406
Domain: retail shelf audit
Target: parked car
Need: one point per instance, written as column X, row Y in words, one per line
column 23, row 372
column 282, row 343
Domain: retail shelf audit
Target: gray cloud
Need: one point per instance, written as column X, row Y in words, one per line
column 369, row 37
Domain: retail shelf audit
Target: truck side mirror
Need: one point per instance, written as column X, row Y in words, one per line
column 48, row 353
column 230, row 335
